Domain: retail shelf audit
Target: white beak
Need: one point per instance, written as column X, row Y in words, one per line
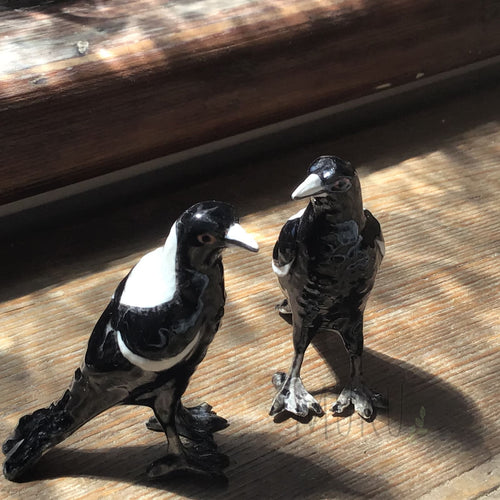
column 238, row 236
column 310, row 187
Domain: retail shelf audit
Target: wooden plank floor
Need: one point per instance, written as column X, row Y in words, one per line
column 432, row 328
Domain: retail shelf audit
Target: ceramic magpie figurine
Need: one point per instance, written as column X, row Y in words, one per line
column 326, row 259
column 145, row 347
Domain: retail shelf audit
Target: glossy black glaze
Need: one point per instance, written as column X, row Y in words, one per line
column 326, row 260
column 189, row 320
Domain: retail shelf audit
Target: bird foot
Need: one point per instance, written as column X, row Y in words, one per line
column 362, row 398
column 197, row 423
column 293, row 397
column 194, row 460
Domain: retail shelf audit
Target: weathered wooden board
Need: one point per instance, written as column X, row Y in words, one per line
column 89, row 87
column 432, row 328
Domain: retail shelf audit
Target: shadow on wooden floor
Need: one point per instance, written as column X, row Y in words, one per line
column 450, row 415
column 75, row 244
column 278, row 472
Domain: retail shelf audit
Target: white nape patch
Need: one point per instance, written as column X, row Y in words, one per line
column 159, row 365
column 281, row 271
column 380, row 243
column 152, row 281
column 298, row 215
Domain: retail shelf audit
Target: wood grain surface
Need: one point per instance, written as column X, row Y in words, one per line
column 90, row 86
column 432, row 328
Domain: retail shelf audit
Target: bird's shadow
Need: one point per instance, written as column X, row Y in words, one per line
column 410, row 392
column 418, row 401
column 272, row 473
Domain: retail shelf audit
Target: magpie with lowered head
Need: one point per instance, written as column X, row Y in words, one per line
column 145, row 347
column 326, row 259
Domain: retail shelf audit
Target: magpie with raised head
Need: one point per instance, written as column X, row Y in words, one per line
column 326, row 259
column 145, row 347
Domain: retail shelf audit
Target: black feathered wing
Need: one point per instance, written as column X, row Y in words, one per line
column 153, row 334
column 285, row 249
column 373, row 244
column 372, row 235
column 167, row 330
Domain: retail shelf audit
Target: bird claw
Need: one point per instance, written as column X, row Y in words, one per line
column 207, row 463
column 293, row 397
column 197, row 423
column 362, row 398
column 202, row 417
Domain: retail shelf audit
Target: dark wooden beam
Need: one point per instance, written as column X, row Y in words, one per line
column 89, row 87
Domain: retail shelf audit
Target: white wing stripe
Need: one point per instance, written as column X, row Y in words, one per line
column 151, row 365
column 283, row 270
column 381, row 245
column 299, row 214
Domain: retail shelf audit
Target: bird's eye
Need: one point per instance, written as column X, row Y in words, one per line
column 206, row 238
column 342, row 184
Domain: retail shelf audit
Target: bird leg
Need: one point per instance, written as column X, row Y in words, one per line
column 357, row 393
column 197, row 423
column 198, row 456
column 293, row 396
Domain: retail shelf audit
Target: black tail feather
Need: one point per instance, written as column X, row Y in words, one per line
column 35, row 434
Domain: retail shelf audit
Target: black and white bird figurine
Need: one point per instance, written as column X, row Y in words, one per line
column 326, row 259
column 145, row 347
